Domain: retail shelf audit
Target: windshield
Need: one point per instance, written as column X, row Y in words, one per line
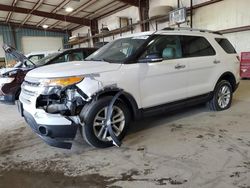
column 44, row 60
column 119, row 50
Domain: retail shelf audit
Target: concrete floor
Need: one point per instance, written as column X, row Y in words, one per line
column 191, row 148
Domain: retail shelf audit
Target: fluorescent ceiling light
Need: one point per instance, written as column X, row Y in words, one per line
column 45, row 26
column 69, row 9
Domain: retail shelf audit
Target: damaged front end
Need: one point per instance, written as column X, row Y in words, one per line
column 61, row 96
column 51, row 109
column 67, row 102
column 58, row 104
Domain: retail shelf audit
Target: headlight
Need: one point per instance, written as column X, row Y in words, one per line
column 6, row 80
column 63, row 82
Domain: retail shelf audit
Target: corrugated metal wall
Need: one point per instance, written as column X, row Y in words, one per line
column 6, row 32
column 31, row 32
column 14, row 36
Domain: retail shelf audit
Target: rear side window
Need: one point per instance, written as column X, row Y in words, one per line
column 35, row 58
column 89, row 52
column 59, row 59
column 69, row 56
column 226, row 45
column 74, row 56
column 193, row 46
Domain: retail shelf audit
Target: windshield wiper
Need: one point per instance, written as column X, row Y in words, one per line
column 104, row 59
column 93, row 59
column 109, row 60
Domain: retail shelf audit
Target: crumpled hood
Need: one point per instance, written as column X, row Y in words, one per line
column 74, row 68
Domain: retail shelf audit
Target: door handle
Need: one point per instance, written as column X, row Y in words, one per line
column 179, row 66
column 216, row 61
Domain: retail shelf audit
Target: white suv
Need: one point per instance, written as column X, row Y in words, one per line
column 156, row 72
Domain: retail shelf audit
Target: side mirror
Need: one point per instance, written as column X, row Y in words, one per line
column 151, row 58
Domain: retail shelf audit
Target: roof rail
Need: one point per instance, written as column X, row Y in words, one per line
column 190, row 29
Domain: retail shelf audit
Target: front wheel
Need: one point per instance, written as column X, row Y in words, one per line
column 94, row 115
column 222, row 96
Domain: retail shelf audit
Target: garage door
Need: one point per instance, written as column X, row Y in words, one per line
column 2, row 54
column 33, row 44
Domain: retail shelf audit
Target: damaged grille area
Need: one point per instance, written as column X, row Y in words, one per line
column 66, row 102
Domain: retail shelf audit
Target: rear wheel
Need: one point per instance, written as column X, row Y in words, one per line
column 95, row 131
column 222, row 97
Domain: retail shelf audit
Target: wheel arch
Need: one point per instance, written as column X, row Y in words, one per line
column 229, row 76
column 126, row 97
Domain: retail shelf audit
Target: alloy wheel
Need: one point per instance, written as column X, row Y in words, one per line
column 224, row 96
column 117, row 123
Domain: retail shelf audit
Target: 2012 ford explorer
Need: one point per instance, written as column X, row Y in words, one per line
column 154, row 71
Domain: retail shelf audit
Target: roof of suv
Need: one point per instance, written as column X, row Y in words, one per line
column 180, row 30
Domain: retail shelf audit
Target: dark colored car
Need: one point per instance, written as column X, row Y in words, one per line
column 12, row 78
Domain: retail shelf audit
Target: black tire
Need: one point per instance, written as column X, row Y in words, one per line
column 213, row 104
column 88, row 115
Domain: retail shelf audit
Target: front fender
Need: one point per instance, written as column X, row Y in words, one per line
column 95, row 89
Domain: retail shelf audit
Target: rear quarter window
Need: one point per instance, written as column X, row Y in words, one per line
column 226, row 45
column 196, row 46
column 36, row 58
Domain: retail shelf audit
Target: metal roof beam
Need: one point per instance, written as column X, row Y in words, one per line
column 60, row 17
column 135, row 3
column 85, row 5
column 57, row 8
column 10, row 13
column 37, row 5
column 16, row 25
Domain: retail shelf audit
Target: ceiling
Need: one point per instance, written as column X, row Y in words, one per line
column 36, row 13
